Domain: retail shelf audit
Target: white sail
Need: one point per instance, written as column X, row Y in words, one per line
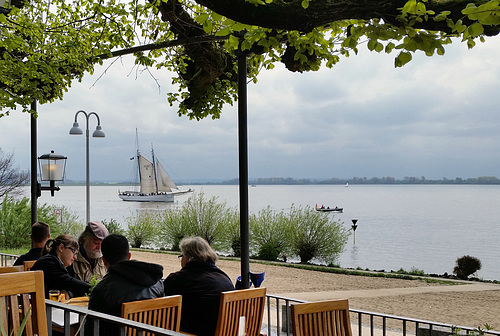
column 147, row 176
column 165, row 183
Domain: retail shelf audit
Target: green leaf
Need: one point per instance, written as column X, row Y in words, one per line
column 403, row 58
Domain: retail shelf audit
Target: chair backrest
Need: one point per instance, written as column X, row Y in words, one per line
column 327, row 318
column 243, row 302
column 10, row 269
column 28, row 264
column 22, row 297
column 164, row 312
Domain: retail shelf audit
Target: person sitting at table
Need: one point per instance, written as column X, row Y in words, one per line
column 89, row 262
column 200, row 283
column 40, row 233
column 57, row 254
column 126, row 280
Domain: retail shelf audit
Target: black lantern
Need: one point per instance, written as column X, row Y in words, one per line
column 52, row 167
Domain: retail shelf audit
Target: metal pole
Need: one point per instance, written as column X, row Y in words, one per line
column 243, row 167
column 88, row 171
column 34, row 177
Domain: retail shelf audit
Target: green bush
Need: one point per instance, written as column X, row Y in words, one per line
column 70, row 223
column 316, row 235
column 172, row 229
column 142, row 228
column 113, row 227
column 15, row 222
column 269, row 234
column 465, row 266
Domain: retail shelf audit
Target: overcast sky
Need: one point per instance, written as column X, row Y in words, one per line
column 435, row 117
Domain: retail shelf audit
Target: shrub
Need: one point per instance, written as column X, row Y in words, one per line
column 269, row 234
column 465, row 266
column 316, row 235
column 70, row 223
column 142, row 228
column 205, row 218
column 15, row 222
column 172, row 229
column 113, row 227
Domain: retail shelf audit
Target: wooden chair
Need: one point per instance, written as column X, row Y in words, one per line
column 20, row 292
column 10, row 269
column 326, row 318
column 243, row 302
column 162, row 312
column 28, row 264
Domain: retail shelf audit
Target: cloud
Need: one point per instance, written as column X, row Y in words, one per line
column 436, row 117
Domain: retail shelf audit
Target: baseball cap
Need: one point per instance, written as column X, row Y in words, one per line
column 98, row 229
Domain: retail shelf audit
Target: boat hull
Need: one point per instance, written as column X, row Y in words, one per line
column 138, row 197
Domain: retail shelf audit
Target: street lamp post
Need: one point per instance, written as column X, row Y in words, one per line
column 98, row 133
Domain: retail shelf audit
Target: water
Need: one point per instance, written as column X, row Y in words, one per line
column 425, row 227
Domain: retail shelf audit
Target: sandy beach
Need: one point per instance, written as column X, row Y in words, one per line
column 469, row 304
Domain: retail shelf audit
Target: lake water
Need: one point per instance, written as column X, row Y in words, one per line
column 427, row 227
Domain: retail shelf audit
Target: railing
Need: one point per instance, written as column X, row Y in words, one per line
column 86, row 318
column 277, row 322
column 7, row 259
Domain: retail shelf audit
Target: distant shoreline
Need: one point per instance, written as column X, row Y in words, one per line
column 481, row 180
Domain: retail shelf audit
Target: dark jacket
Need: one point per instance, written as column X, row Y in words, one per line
column 200, row 285
column 55, row 276
column 34, row 254
column 127, row 280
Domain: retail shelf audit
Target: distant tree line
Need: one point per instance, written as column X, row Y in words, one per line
column 364, row 180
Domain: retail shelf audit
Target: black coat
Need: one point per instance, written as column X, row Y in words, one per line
column 55, row 276
column 34, row 254
column 200, row 285
column 128, row 280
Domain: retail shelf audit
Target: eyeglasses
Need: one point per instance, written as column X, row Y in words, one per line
column 180, row 256
column 75, row 252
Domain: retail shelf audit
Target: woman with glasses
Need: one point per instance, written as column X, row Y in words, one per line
column 57, row 254
column 200, row 283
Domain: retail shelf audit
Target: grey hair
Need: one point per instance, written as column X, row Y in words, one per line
column 197, row 249
column 85, row 235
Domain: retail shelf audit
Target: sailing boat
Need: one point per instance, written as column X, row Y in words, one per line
column 156, row 184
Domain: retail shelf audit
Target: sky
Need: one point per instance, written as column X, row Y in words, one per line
column 436, row 117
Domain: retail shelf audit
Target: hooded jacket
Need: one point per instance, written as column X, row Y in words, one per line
column 127, row 280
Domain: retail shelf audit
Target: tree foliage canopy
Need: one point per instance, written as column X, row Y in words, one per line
column 45, row 45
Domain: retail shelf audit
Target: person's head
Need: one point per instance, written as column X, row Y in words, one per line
column 91, row 238
column 40, row 233
column 196, row 249
column 64, row 246
column 114, row 249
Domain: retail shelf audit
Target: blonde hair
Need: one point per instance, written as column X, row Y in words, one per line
column 197, row 249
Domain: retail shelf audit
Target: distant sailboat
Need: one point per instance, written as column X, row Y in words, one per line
column 347, row 184
column 156, row 185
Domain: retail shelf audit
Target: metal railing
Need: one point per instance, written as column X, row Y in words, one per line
column 277, row 322
column 77, row 319
column 7, row 259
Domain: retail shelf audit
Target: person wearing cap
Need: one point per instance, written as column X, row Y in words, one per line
column 89, row 261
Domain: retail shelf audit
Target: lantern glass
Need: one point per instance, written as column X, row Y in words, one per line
column 52, row 167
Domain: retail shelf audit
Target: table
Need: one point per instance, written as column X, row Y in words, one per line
column 58, row 315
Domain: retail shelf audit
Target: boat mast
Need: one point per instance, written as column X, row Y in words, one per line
column 138, row 156
column 154, row 167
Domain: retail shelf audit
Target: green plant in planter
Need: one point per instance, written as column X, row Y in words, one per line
column 21, row 327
